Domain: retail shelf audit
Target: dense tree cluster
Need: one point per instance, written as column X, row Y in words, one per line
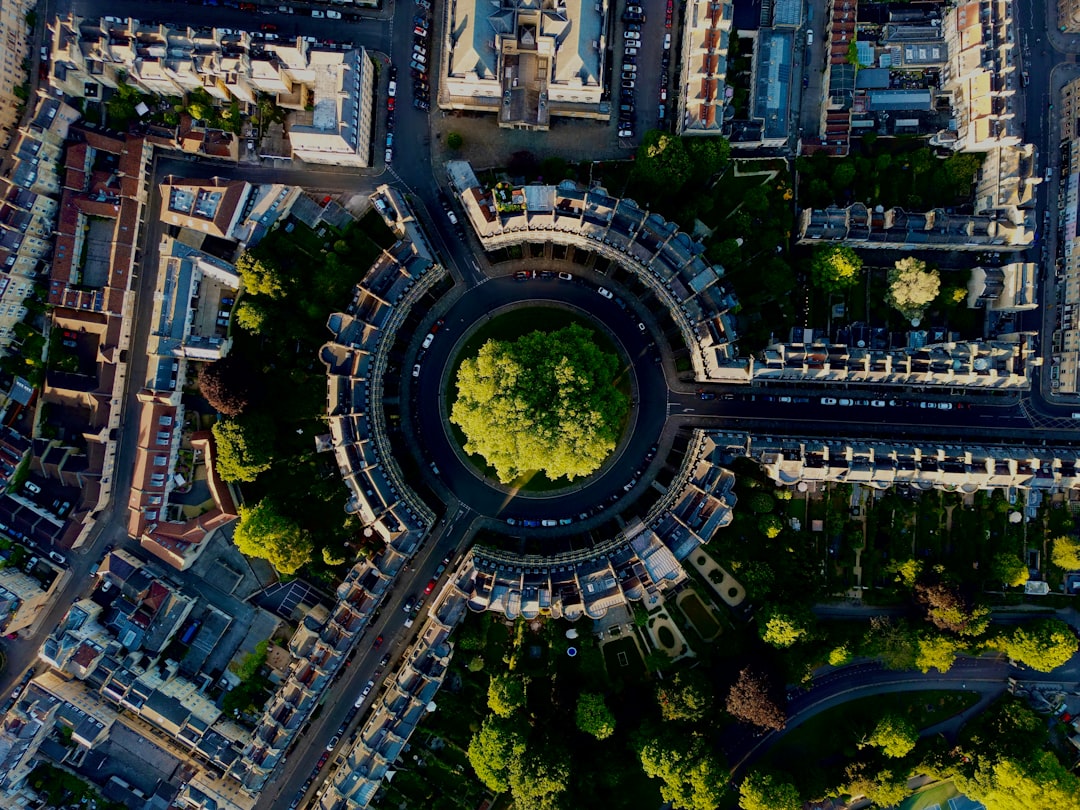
column 692, row 776
column 1008, row 569
column 767, row 791
column 782, row 626
column 506, row 694
column 948, row 609
column 547, row 402
column 1043, row 645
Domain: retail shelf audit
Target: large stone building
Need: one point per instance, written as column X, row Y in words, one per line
column 1065, row 358
column 14, row 49
column 982, row 74
column 702, row 88
column 525, row 60
column 329, row 92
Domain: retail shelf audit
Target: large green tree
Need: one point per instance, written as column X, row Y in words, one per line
column 506, row 693
column 1065, row 553
column 883, row 786
column 936, row 651
column 893, row 642
column 1043, row 645
column 1008, row 569
column 767, row 791
column 493, row 748
column 894, row 735
column 263, row 531
column 662, row 162
column 686, row 696
column 593, row 716
column 782, row 626
column 835, row 267
column 539, row 776
column 912, row 287
column 261, row 276
column 692, row 776
column 547, row 401
column 1023, row 783
column 244, row 447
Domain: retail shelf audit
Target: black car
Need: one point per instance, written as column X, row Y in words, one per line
column 420, row 104
column 393, row 73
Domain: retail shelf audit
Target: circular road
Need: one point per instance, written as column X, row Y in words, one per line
column 590, row 495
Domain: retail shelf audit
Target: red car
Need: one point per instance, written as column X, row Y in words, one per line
column 390, row 103
column 430, row 587
column 378, row 642
column 268, row 27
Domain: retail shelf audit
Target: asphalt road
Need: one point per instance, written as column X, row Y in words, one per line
column 743, row 747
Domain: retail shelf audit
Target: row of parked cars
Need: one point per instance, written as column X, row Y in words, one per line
column 419, row 63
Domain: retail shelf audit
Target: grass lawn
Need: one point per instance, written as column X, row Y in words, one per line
column 699, row 615
column 825, row 736
column 623, row 660
column 512, row 326
column 935, row 796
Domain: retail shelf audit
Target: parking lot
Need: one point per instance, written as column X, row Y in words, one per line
column 644, row 63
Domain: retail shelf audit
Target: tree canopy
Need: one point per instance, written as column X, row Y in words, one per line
column 912, row 287
column 244, row 447
column 948, row 609
column 936, row 651
column 1065, row 553
column 662, row 161
column 228, row 385
column 895, row 736
column 1043, row 645
column 1008, row 569
column 883, row 787
column 593, row 716
column 835, row 268
column 782, row 626
column 693, row 777
column 686, row 696
column 506, row 694
column 538, row 776
column 261, row 276
column 263, row 531
column 546, row 402
column 492, row 748
column 751, row 700
column 766, row 791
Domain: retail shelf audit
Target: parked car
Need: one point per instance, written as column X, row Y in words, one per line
column 330, row 746
column 318, row 15
column 391, row 89
column 428, row 340
column 416, row 370
column 605, row 292
column 333, row 15
column 378, row 642
column 430, row 586
column 30, row 486
column 57, row 558
column 631, row 35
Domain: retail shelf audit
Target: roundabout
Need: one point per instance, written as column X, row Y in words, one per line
column 581, row 499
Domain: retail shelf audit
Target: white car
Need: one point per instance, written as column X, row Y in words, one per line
column 30, row 486
column 606, row 293
column 391, row 89
column 877, row 403
column 828, row 401
column 420, row 58
column 630, row 49
column 846, row 403
column 631, row 35
column 318, row 15
column 549, row 522
column 388, row 156
column 626, row 133
column 57, row 558
column 416, row 370
column 333, row 15
column 428, row 340
column 629, row 68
